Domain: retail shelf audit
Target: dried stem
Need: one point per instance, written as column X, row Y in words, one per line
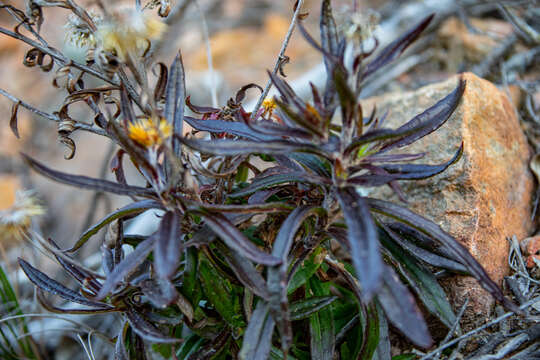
column 279, row 58
column 478, row 329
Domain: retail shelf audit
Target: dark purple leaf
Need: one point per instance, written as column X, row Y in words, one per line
column 245, row 271
column 47, row 284
column 287, row 93
column 420, row 171
column 86, row 182
column 230, row 127
column 243, row 147
column 120, row 352
column 175, row 99
column 272, row 180
column 329, row 34
column 427, row 256
column 236, row 240
column 168, row 247
column 244, row 209
column 147, row 330
column 369, row 180
column 363, row 240
column 258, row 337
column 83, row 276
column 385, row 158
column 161, row 292
column 300, row 119
column 71, row 310
column 421, row 279
column 428, row 121
column 457, row 250
column 396, row 48
column 401, row 310
column 261, row 196
column 277, row 276
column 313, row 163
column 130, row 210
column 127, row 266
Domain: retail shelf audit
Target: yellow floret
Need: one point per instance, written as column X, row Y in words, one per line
column 149, row 132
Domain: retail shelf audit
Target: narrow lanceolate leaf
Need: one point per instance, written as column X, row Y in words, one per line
column 242, row 147
column 128, row 210
column 258, row 337
column 329, row 34
column 161, row 292
column 145, row 329
column 175, row 99
column 245, row 209
column 86, row 182
column 245, row 271
column 321, row 328
column 120, row 352
column 433, row 230
column 363, row 240
column 303, row 309
column 420, row 171
column 236, row 240
column 264, row 182
column 230, row 127
column 400, row 308
column 277, row 276
column 428, row 257
column 421, row 279
column 220, row 293
column 396, row 48
column 168, row 248
column 49, row 285
column 127, row 266
column 428, row 121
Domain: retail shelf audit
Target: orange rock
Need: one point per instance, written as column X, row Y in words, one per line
column 484, row 197
column 9, row 184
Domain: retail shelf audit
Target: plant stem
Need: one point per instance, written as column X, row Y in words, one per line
column 279, row 59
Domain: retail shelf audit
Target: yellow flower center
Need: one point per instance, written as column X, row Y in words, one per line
column 149, row 132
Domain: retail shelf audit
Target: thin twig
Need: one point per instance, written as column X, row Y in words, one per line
column 52, row 117
column 455, row 325
column 478, row 329
column 58, row 56
column 279, row 58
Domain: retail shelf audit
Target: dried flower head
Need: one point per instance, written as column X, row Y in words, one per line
column 18, row 217
column 359, row 26
column 130, row 34
column 78, row 33
column 149, row 132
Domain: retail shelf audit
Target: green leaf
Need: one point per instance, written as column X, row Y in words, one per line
column 421, row 279
column 306, row 271
column 220, row 293
column 321, row 327
column 303, row 309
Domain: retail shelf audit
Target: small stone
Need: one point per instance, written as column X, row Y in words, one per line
column 484, row 197
column 531, row 250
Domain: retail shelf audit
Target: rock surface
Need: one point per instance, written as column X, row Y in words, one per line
column 484, row 197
